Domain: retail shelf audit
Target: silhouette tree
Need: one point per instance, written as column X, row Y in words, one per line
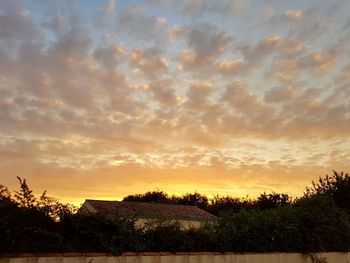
column 54, row 209
column 149, row 197
column 4, row 193
column 224, row 204
column 24, row 197
column 273, row 200
column 336, row 186
column 195, row 199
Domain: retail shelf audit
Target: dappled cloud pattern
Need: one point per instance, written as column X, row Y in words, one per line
column 232, row 97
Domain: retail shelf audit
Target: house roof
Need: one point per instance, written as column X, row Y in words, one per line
column 150, row 210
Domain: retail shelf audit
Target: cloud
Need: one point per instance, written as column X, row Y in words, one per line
column 285, row 71
column 232, row 68
column 294, row 14
column 221, row 8
column 163, row 92
column 205, row 44
column 344, row 74
column 73, row 43
column 288, row 19
column 16, row 25
column 318, row 63
column 207, row 41
column 283, row 47
column 148, row 61
column 57, row 24
column 110, row 56
column 238, row 97
column 279, row 94
column 174, row 33
column 199, row 95
column 133, row 21
column 153, row 101
column 110, row 6
column 237, row 175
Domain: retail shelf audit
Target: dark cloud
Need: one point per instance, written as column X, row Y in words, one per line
column 149, row 61
column 280, row 94
column 16, row 25
column 164, row 92
column 207, row 41
column 205, row 44
column 283, row 47
column 135, row 22
column 199, row 95
column 110, row 56
column 220, row 8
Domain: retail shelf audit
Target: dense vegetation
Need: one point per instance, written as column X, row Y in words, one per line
column 318, row 221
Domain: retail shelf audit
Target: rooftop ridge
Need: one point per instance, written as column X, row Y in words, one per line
column 151, row 210
column 153, row 203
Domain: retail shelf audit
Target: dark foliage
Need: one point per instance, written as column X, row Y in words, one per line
column 150, row 197
column 24, row 197
column 4, row 193
column 225, row 204
column 195, row 199
column 312, row 224
column 323, row 225
column 273, row 222
column 99, row 233
column 26, row 230
column 260, row 231
column 170, row 237
column 273, row 200
column 216, row 205
column 336, row 186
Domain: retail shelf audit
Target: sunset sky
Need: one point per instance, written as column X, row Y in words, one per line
column 101, row 99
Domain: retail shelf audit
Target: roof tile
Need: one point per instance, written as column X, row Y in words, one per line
column 151, row 210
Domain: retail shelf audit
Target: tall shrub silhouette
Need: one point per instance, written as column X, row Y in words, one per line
column 335, row 186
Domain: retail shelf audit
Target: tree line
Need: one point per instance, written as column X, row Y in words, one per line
column 216, row 205
column 317, row 221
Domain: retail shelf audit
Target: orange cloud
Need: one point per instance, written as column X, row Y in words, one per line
column 173, row 100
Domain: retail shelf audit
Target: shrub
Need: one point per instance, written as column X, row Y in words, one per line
column 323, row 225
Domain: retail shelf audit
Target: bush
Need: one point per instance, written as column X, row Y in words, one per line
column 323, row 225
column 27, row 230
column 313, row 224
column 336, row 186
column 260, row 231
column 99, row 233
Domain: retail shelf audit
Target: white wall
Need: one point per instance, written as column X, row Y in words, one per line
column 141, row 222
column 180, row 258
column 184, row 224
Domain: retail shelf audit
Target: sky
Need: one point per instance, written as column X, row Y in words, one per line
column 102, row 99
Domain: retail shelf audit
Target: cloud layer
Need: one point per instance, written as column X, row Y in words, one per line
column 230, row 97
